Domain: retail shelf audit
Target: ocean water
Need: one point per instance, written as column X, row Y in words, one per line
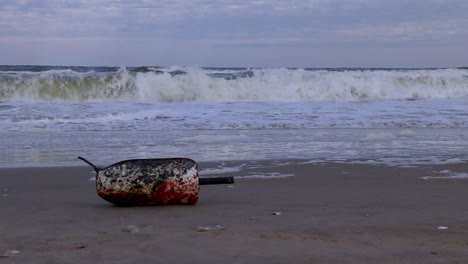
column 399, row 117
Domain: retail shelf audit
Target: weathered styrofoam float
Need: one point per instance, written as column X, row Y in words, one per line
column 151, row 181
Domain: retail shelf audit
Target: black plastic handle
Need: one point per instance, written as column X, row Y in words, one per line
column 215, row 180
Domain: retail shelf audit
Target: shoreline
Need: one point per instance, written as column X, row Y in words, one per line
column 385, row 146
column 329, row 213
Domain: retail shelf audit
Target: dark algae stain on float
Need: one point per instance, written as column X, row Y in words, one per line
column 151, row 181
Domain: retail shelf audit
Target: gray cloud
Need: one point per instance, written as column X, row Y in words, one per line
column 231, row 24
column 290, row 18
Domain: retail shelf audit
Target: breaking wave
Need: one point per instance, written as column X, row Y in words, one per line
column 184, row 84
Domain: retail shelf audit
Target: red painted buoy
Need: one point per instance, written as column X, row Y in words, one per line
column 151, row 181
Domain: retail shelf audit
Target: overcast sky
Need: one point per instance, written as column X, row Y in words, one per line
column 274, row 33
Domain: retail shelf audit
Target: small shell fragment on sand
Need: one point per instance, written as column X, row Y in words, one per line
column 276, row 213
column 210, row 228
column 131, row 229
column 442, row 228
column 78, row 246
column 12, row 252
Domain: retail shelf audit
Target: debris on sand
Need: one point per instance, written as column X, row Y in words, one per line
column 131, row 229
column 78, row 246
column 210, row 228
column 10, row 253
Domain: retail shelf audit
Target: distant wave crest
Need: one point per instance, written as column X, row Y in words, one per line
column 182, row 84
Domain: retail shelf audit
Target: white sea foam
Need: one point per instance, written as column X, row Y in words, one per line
column 448, row 113
column 448, row 175
column 267, row 175
column 455, row 176
column 196, row 84
column 213, row 138
column 453, row 161
column 436, row 160
column 368, row 162
column 444, row 171
column 221, row 170
column 407, row 133
column 379, row 136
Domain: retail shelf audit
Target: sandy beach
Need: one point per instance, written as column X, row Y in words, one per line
column 326, row 213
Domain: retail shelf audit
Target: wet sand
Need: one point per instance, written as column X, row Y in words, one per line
column 329, row 213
